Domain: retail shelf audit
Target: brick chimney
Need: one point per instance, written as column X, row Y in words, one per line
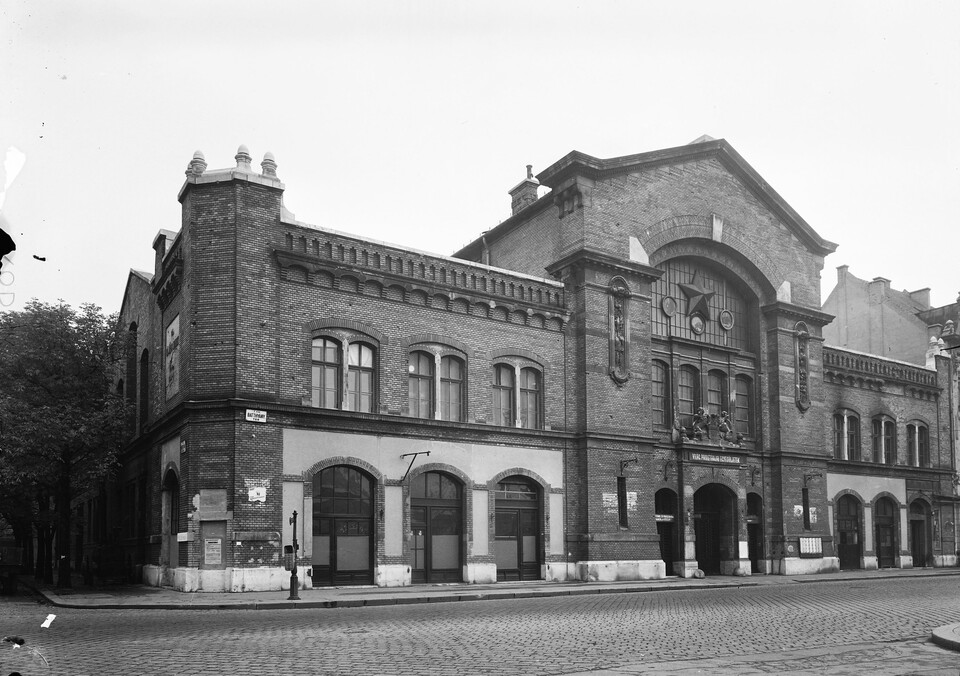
column 525, row 192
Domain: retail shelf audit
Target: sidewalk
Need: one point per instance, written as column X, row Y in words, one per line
column 144, row 597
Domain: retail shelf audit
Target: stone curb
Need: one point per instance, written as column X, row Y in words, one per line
column 947, row 636
column 374, row 601
column 457, row 595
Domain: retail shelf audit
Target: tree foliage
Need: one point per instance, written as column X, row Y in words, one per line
column 61, row 422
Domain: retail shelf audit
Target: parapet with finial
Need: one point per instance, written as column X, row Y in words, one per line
column 197, row 173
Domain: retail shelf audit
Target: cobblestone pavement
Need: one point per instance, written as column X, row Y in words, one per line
column 878, row 626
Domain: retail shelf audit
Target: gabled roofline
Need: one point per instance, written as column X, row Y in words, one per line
column 144, row 277
column 577, row 163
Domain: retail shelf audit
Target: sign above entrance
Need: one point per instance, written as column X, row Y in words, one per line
column 698, row 456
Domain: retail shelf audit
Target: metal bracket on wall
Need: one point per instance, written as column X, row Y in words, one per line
column 412, row 460
column 624, row 463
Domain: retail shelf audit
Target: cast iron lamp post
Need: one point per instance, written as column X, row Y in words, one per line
column 294, row 581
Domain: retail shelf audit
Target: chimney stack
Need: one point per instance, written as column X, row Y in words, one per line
column 525, row 192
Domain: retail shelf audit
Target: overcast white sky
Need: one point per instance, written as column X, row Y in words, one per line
column 409, row 121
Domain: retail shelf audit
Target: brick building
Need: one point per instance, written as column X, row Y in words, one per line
column 625, row 379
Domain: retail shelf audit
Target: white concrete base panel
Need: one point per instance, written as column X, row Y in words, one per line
column 610, row 571
column 480, row 573
column 794, row 565
column 395, row 575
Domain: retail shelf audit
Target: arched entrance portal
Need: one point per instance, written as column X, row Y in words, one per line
column 755, row 531
column 848, row 532
column 920, row 533
column 517, row 530
column 665, row 508
column 436, row 519
column 885, row 522
column 714, row 519
column 343, row 531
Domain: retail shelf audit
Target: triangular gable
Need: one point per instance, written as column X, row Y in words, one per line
column 581, row 164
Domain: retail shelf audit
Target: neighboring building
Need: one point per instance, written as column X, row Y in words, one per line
column 626, row 379
column 895, row 421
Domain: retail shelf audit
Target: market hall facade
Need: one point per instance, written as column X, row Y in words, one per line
column 625, row 379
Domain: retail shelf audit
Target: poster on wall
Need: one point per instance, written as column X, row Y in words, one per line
column 172, row 350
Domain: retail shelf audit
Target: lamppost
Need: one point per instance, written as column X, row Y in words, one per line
column 294, row 580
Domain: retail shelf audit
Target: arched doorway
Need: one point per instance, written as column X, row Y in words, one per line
column 343, row 530
column 169, row 519
column 436, row 519
column 517, row 529
column 665, row 508
column 920, row 533
column 714, row 510
column 755, row 531
column 885, row 526
column 848, row 532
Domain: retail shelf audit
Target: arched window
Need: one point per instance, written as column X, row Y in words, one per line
column 846, row 436
column 503, row 402
column 451, row 388
column 884, row 441
column 688, row 393
column 420, row 385
column 743, row 405
column 660, row 389
column 716, row 392
column 530, row 398
column 325, row 383
column 131, row 355
column 360, row 371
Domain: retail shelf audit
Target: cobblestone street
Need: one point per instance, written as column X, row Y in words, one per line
column 878, row 626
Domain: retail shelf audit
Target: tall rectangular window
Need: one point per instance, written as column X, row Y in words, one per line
column 530, row 398
column 877, row 440
column 451, row 389
column 687, row 399
column 420, row 385
column 743, row 406
column 503, row 404
column 853, row 438
column 806, row 508
column 622, row 501
column 660, row 387
column 360, row 378
column 716, row 392
column 923, row 446
column 890, row 442
column 325, row 375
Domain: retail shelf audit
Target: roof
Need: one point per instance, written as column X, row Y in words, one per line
column 577, row 163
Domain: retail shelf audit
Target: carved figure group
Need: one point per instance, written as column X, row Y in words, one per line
column 700, row 428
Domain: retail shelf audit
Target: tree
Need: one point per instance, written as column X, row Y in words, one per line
column 61, row 423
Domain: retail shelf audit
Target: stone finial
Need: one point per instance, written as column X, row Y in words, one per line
column 197, row 165
column 529, row 171
column 269, row 165
column 243, row 158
